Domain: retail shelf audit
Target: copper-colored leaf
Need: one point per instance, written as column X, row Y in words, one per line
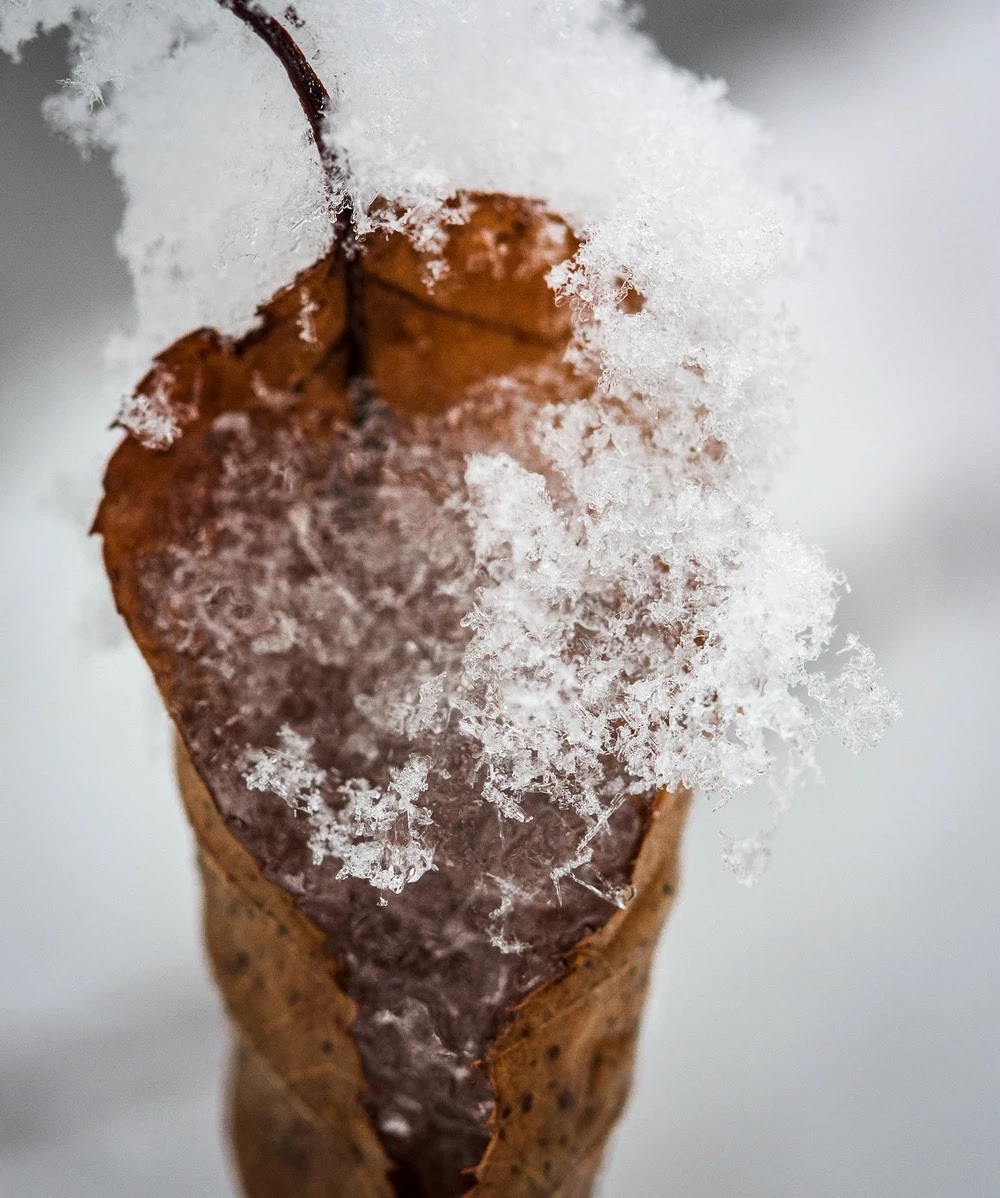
column 560, row 1063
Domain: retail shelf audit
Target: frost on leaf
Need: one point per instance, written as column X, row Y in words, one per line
column 307, row 314
column 376, row 834
column 152, row 415
column 510, row 893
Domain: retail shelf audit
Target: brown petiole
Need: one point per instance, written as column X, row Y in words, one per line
column 317, row 106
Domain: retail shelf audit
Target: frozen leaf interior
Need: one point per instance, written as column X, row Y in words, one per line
column 316, row 623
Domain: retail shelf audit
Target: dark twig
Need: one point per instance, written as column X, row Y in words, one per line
column 317, row 106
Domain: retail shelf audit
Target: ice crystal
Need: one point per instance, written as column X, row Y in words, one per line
column 374, row 833
column 510, row 894
column 152, row 416
column 747, row 859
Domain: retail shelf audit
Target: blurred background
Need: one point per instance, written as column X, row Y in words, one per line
column 833, row 1032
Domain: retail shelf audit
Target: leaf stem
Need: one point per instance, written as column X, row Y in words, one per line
column 317, row 106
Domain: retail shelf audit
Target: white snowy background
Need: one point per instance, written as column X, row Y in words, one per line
column 833, row 1032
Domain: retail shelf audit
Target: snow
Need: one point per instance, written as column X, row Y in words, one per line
column 633, row 596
